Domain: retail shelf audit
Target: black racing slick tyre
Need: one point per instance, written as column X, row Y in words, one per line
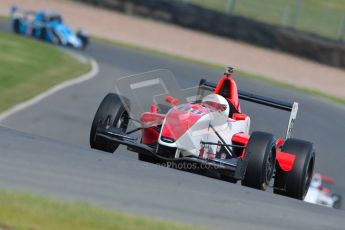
column 113, row 112
column 337, row 202
column 85, row 40
column 297, row 180
column 261, row 163
column 16, row 25
column 43, row 34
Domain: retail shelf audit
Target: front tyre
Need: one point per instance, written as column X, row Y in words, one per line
column 297, row 180
column 337, row 201
column 261, row 163
column 112, row 112
column 43, row 34
column 84, row 39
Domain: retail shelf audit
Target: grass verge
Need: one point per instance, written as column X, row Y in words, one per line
column 22, row 211
column 3, row 18
column 318, row 16
column 29, row 67
column 239, row 73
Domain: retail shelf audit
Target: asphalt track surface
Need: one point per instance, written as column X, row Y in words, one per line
column 50, row 155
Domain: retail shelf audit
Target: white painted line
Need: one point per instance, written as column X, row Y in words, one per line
column 21, row 106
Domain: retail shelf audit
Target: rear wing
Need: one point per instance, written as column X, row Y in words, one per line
column 327, row 179
column 277, row 104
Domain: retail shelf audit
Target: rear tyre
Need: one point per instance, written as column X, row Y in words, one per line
column 34, row 32
column 297, row 180
column 113, row 112
column 16, row 26
column 262, row 157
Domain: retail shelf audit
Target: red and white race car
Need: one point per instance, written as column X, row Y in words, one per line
column 321, row 195
column 207, row 132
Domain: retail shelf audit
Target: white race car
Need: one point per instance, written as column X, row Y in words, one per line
column 208, row 132
column 318, row 194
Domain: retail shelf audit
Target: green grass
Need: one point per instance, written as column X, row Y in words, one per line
column 22, row 211
column 29, row 67
column 318, row 16
column 238, row 72
column 3, row 18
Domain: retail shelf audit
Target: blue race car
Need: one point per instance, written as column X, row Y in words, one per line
column 46, row 25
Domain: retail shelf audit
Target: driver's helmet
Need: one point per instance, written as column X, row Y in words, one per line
column 217, row 102
column 316, row 181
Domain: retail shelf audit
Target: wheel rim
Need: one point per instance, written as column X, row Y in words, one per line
column 122, row 123
column 270, row 164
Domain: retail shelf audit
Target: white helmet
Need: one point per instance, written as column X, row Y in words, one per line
column 218, row 102
column 316, row 181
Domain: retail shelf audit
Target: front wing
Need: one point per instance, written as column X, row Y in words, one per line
column 234, row 167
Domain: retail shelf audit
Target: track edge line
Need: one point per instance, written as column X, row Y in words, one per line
column 23, row 105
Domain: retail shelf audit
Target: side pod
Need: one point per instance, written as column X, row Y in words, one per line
column 285, row 160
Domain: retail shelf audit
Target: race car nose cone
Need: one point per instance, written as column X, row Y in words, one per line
column 74, row 41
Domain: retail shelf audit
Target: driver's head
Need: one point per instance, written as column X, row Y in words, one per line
column 217, row 102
